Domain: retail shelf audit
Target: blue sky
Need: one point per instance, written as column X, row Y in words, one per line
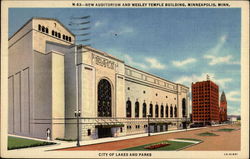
column 181, row 45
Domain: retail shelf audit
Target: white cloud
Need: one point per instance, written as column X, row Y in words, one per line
column 184, row 62
column 233, row 110
column 129, row 60
column 98, row 24
column 216, row 49
column 220, row 60
column 233, row 96
column 146, row 63
column 187, row 80
column 154, row 63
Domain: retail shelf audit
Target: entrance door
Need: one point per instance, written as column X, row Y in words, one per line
column 184, row 125
column 161, row 128
column 104, row 132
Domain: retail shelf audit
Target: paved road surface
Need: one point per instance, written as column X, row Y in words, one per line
column 226, row 141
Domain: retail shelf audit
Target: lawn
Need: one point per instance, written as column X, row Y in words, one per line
column 173, row 146
column 226, row 129
column 16, row 143
column 207, row 134
column 191, row 139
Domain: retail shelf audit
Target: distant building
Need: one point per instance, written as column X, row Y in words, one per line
column 223, row 107
column 205, row 102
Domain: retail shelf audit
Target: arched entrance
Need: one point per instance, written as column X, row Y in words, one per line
column 104, row 99
column 104, row 102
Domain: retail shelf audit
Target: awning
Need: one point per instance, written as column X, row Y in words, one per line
column 109, row 125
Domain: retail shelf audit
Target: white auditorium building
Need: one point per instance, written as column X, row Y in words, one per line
column 50, row 77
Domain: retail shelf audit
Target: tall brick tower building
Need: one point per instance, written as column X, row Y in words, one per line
column 205, row 102
column 223, row 107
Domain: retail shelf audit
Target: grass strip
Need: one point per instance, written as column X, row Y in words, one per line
column 17, row 143
column 207, row 134
column 174, row 145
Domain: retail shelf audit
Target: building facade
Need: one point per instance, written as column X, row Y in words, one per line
column 223, row 107
column 50, row 78
column 205, row 102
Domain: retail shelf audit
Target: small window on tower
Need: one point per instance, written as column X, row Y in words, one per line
column 43, row 29
column 39, row 27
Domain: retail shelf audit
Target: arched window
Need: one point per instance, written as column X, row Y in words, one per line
column 156, row 111
column 166, row 110
column 59, row 35
column 171, row 111
column 151, row 110
column 69, row 39
column 104, row 98
column 47, row 30
column 137, row 109
column 162, row 111
column 63, row 37
column 53, row 32
column 184, row 107
column 39, row 27
column 43, row 29
column 144, row 110
column 128, row 108
column 175, row 111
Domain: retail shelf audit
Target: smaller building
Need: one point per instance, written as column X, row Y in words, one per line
column 205, row 103
column 223, row 108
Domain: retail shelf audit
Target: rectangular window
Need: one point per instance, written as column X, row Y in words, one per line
column 89, row 132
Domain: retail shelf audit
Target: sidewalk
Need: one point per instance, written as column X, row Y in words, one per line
column 64, row 144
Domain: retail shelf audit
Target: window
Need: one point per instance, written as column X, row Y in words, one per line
column 47, row 30
column 39, row 27
column 63, row 37
column 89, row 132
column 128, row 108
column 121, row 130
column 166, row 110
column 66, row 38
column 144, row 110
column 151, row 110
column 104, row 98
column 171, row 111
column 156, row 110
column 128, row 88
column 69, row 39
column 43, row 29
column 156, row 94
column 59, row 35
column 144, row 92
column 53, row 32
column 175, row 111
column 183, row 107
column 162, row 111
column 137, row 109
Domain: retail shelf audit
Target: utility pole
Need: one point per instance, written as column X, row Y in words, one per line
column 78, row 24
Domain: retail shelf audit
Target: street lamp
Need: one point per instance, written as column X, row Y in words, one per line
column 148, row 125
column 77, row 115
